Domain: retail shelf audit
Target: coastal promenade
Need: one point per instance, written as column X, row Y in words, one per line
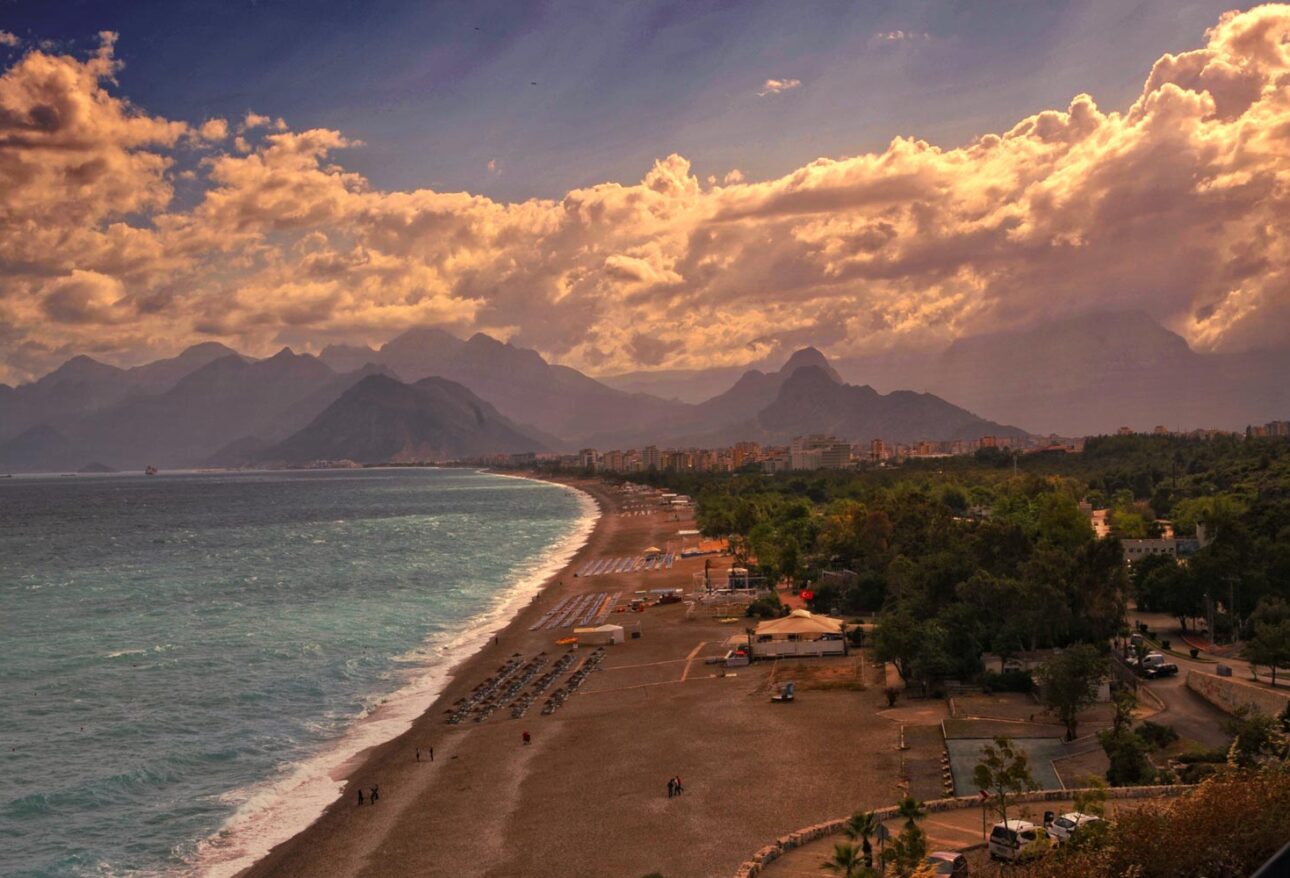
column 588, row 795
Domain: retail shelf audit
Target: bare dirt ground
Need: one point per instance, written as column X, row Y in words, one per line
column 588, row 796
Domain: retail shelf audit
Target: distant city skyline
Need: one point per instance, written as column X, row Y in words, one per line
column 282, row 175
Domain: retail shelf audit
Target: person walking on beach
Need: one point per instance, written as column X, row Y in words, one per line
column 527, row 738
column 418, row 754
column 376, row 794
column 432, row 754
column 679, row 789
column 360, row 795
column 671, row 787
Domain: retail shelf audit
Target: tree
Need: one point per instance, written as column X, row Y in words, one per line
column 845, row 862
column 912, row 810
column 1128, row 755
column 1002, row 771
column 1176, row 590
column 1069, row 682
column 1269, row 644
column 907, row 851
column 1255, row 735
column 897, row 639
column 1092, row 798
column 1125, row 703
column 863, row 825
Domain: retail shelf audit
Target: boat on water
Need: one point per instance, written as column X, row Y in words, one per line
column 150, row 471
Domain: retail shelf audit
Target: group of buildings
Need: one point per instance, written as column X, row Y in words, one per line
column 1279, row 429
column 802, row 454
column 818, row 451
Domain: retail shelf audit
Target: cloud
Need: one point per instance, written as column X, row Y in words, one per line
column 493, row 167
column 778, row 86
column 8, row 39
column 902, row 36
column 84, row 297
column 1175, row 205
column 213, row 129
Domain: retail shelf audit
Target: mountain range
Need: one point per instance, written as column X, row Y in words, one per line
column 428, row 394
column 1084, row 375
column 425, row 395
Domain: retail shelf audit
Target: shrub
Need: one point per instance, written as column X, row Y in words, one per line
column 1202, row 756
column 1193, row 774
column 1157, row 735
column 1009, row 681
column 765, row 607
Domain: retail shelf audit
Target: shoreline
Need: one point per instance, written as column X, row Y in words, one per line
column 329, row 787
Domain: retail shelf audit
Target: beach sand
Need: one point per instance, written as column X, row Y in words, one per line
column 588, row 796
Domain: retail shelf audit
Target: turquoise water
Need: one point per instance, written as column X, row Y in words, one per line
column 186, row 656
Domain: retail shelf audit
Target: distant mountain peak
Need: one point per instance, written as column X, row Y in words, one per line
column 419, row 336
column 204, row 348
column 810, row 357
column 80, row 368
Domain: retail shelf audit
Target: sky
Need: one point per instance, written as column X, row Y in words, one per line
column 635, row 185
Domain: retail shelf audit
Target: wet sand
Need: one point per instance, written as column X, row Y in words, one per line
column 588, row 796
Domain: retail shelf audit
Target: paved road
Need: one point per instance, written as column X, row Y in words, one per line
column 1190, row 715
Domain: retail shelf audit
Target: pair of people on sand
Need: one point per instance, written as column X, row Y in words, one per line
column 674, row 787
column 373, row 796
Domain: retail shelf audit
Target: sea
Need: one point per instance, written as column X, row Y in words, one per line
column 189, row 661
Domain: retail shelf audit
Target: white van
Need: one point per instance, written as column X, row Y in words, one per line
column 1016, row 840
column 1064, row 827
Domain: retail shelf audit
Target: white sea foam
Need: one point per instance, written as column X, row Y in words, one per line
column 271, row 812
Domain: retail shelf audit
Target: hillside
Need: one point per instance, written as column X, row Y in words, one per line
column 381, row 419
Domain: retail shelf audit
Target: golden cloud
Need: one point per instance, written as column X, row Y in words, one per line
column 1175, row 205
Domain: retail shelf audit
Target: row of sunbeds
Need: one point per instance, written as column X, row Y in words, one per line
column 628, row 564
column 559, row 696
column 576, row 610
column 484, row 691
column 521, row 705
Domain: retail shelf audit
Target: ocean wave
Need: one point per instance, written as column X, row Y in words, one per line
column 273, row 811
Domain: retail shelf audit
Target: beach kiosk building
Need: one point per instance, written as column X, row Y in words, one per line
column 801, row 632
column 600, row 635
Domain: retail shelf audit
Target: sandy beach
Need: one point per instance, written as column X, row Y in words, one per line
column 589, row 796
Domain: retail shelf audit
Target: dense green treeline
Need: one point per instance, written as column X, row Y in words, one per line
column 993, row 553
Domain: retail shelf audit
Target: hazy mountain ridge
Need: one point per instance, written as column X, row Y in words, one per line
column 83, row 384
column 233, row 409
column 555, row 399
column 216, row 403
column 814, row 401
column 1098, row 372
column 381, row 419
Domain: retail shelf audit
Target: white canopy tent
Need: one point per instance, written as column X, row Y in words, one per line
column 801, row 632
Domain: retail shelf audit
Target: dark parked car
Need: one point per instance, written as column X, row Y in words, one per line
column 948, row 863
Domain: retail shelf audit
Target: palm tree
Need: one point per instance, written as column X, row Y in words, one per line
column 846, row 861
column 912, row 810
column 863, row 825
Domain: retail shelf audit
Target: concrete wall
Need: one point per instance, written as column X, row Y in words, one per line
column 1229, row 693
column 752, row 867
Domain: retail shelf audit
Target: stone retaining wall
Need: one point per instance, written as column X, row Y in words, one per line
column 752, row 867
column 1228, row 693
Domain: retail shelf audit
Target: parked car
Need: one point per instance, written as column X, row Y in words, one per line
column 1064, row 827
column 1016, row 840
column 1156, row 665
column 948, row 863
